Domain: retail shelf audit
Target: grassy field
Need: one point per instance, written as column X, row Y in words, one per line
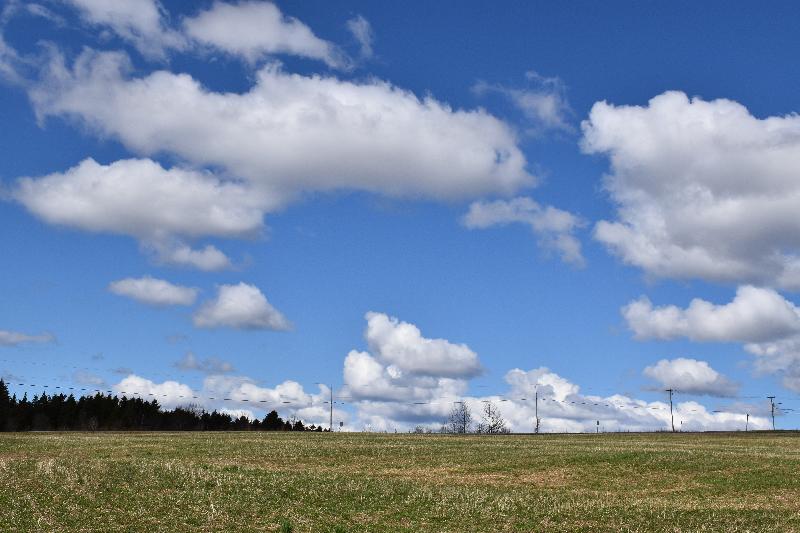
column 358, row 482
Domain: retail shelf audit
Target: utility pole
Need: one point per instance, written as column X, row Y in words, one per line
column 746, row 421
column 537, row 412
column 672, row 418
column 330, row 389
column 772, row 409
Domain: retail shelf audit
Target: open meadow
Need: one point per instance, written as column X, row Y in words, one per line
column 248, row 481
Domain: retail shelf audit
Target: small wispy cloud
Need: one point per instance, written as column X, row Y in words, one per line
column 362, row 31
column 207, row 365
column 15, row 338
column 543, row 102
column 83, row 377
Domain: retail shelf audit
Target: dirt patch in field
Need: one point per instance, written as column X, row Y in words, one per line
column 555, row 477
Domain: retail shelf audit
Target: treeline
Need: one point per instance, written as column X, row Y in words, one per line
column 107, row 412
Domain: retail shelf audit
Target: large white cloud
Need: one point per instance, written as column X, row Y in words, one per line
column 755, row 314
column 140, row 198
column 703, row 189
column 368, row 378
column 691, row 376
column 402, row 346
column 154, row 291
column 290, row 133
column 406, row 375
column 14, row 338
column 143, row 23
column 553, row 227
column 254, row 30
column 240, row 306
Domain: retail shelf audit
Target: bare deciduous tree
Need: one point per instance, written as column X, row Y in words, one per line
column 460, row 418
column 493, row 421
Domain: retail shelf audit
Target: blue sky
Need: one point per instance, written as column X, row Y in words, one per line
column 264, row 175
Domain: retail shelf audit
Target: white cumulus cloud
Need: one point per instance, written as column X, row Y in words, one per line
column 291, row 133
column 755, row 314
column 154, row 291
column 405, row 372
column 254, row 30
column 401, row 345
column 703, row 189
column 240, row 306
column 171, row 252
column 170, row 394
column 366, row 378
column 140, row 198
column 691, row 376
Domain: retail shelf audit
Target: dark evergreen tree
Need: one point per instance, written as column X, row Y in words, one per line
column 272, row 422
column 242, row 424
column 5, row 405
column 109, row 412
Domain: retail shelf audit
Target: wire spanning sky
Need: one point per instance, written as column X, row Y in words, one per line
column 414, row 204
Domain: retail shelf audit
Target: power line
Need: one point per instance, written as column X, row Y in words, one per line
column 344, row 399
column 241, row 398
column 339, row 400
column 112, row 392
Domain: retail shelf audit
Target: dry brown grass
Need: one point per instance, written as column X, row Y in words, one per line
column 340, row 482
